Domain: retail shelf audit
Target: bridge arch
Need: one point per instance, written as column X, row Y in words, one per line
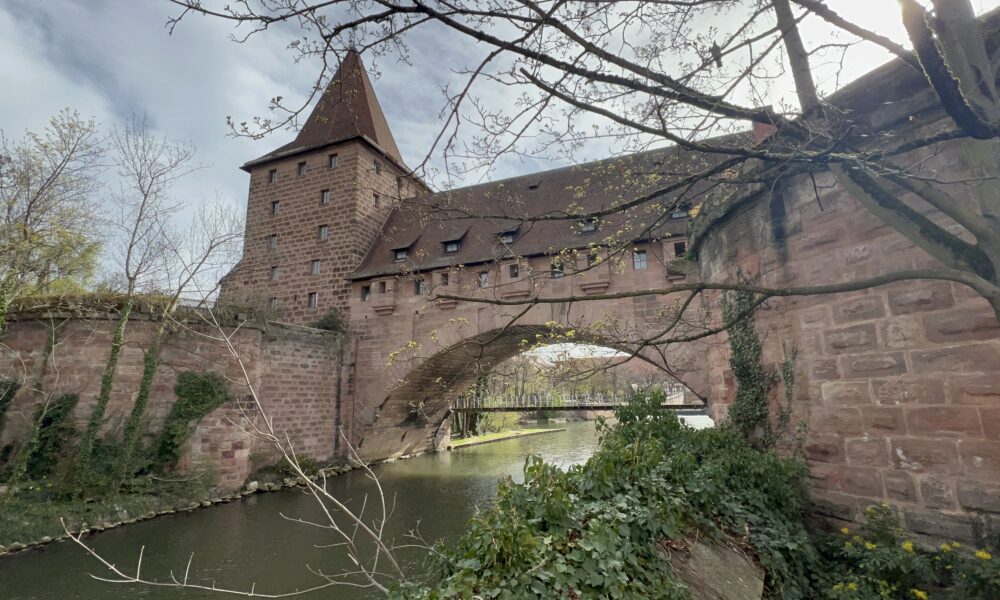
column 418, row 389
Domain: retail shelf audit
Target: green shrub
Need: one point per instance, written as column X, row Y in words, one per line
column 56, row 433
column 880, row 561
column 197, row 395
column 8, row 389
column 331, row 321
column 601, row 530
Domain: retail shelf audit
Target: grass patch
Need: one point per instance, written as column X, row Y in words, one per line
column 34, row 512
column 497, row 436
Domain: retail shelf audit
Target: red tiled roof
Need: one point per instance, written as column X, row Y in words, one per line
column 478, row 213
column 347, row 109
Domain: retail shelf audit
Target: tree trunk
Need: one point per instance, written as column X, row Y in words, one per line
column 86, row 451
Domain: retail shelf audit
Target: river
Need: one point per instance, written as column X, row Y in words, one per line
column 249, row 541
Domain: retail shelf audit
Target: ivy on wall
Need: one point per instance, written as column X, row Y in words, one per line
column 198, row 394
column 8, row 389
column 749, row 411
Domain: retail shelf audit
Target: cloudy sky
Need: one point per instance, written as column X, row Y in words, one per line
column 112, row 58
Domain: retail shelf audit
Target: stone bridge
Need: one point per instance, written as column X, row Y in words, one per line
column 415, row 353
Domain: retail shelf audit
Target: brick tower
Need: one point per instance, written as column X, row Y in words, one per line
column 316, row 204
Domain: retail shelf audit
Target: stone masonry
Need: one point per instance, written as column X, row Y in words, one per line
column 295, row 370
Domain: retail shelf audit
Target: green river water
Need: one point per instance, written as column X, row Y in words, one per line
column 249, row 541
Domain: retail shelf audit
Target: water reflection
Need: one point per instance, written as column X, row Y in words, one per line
column 250, row 541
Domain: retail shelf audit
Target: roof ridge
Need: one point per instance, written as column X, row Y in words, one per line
column 587, row 164
column 347, row 109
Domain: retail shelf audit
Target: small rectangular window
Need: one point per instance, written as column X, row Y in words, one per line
column 400, row 254
column 324, row 197
column 274, row 273
column 324, row 232
column 303, row 167
column 377, row 164
column 680, row 249
column 588, row 225
column 484, row 279
column 314, row 267
column 366, row 293
column 452, row 246
column 444, row 279
column 382, row 288
column 506, row 237
column 274, row 304
column 272, row 176
column 332, row 161
column 592, row 259
column 513, row 270
column 679, row 213
column 375, row 200
column 419, row 287
column 557, row 269
column 272, row 240
column 639, row 260
column 275, row 207
column 313, row 299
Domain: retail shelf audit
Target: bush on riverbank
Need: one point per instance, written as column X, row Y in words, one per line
column 607, row 529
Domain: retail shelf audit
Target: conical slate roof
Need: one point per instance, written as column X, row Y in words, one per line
column 347, row 109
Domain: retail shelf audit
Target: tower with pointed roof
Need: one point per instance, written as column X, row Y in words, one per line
column 316, row 204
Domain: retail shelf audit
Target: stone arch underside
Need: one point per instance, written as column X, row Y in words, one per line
column 412, row 416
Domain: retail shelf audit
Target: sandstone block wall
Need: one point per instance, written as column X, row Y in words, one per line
column 352, row 216
column 295, row 371
column 414, row 355
column 899, row 385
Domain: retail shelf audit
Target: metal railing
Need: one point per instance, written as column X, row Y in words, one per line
column 530, row 402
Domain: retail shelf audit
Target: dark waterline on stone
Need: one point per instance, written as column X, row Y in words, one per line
column 249, row 541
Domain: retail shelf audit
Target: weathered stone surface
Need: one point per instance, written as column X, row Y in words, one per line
column 713, row 571
column 846, row 392
column 858, row 338
column 927, row 296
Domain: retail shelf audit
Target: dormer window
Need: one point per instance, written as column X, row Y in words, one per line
column 557, row 269
column 679, row 213
column 513, row 270
column 680, row 249
column 452, row 246
column 484, row 279
column 506, row 237
column 400, row 254
column 588, row 225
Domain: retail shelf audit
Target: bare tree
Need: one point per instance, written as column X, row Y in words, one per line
column 189, row 269
column 147, row 166
column 48, row 184
column 681, row 72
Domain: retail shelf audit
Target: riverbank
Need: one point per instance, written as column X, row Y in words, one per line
column 252, row 540
column 499, row 436
column 33, row 518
